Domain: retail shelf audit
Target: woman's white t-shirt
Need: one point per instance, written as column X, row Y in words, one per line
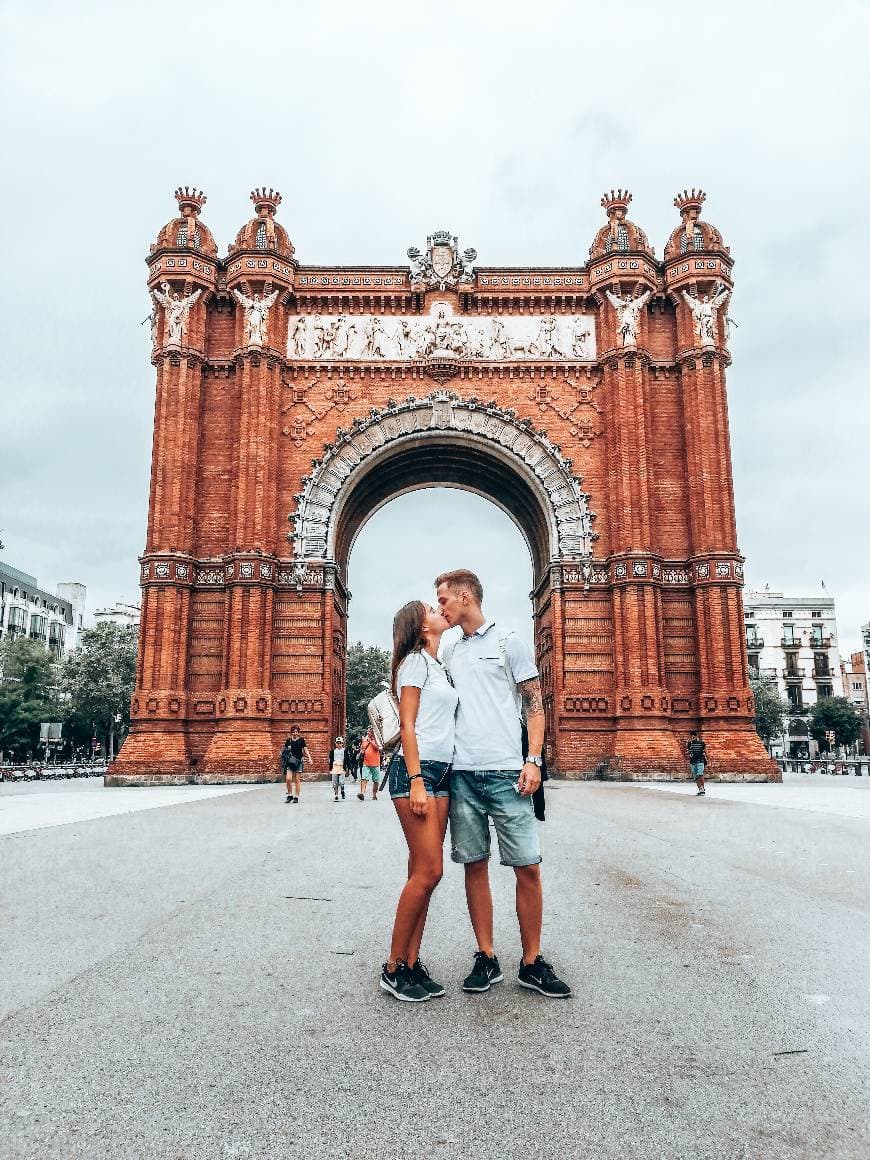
column 436, row 718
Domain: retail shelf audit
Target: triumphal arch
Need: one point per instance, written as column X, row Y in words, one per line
column 587, row 400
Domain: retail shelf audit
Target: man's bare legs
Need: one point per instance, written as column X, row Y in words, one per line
column 530, row 906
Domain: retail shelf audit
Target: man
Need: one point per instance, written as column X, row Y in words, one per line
column 697, row 752
column 492, row 672
column 371, row 765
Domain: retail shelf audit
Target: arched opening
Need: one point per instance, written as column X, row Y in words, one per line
column 403, row 545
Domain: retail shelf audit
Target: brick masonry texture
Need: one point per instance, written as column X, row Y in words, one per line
column 242, row 633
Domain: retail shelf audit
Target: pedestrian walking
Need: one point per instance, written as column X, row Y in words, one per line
column 697, row 754
column 496, row 678
column 336, row 767
column 370, row 770
column 293, row 757
column 419, row 777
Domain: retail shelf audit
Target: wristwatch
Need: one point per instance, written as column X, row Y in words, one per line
column 531, row 760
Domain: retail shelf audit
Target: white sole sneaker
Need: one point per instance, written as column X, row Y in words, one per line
column 541, row 991
column 385, row 986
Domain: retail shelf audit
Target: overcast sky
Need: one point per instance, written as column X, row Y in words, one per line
column 380, row 122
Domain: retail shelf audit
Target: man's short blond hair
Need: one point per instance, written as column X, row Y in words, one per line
column 461, row 578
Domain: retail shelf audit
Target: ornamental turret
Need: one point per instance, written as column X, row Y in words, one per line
column 698, row 276
column 182, row 270
column 260, row 269
column 622, row 270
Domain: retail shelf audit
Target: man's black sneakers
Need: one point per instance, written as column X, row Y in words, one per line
column 484, row 973
column 540, row 976
column 401, row 985
column 419, row 974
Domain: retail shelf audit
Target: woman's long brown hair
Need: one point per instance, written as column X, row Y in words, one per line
column 407, row 635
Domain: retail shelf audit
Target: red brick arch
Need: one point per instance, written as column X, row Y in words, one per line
column 588, row 401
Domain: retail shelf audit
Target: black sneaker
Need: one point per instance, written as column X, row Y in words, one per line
column 484, row 973
column 420, row 975
column 287, row 799
column 541, row 977
column 401, row 985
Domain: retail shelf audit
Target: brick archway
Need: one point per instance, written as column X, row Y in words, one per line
column 277, row 389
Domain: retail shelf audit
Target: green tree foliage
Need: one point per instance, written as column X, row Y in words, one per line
column 27, row 695
column 98, row 680
column 367, row 669
column 770, row 709
column 839, row 716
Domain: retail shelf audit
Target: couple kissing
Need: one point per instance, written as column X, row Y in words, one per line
column 461, row 759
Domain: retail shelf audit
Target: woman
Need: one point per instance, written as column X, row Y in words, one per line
column 419, row 776
column 293, row 756
column 337, row 766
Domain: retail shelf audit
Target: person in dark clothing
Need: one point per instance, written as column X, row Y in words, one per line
column 696, row 751
column 293, row 757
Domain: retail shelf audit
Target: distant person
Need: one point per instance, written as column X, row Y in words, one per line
column 697, row 754
column 495, row 676
column 336, row 766
column 293, row 757
column 370, row 755
column 419, row 786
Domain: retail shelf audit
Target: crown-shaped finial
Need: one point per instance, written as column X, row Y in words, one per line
column 690, row 200
column 266, row 201
column 190, row 200
column 616, row 202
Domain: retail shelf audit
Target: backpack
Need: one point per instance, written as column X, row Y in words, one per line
column 383, row 713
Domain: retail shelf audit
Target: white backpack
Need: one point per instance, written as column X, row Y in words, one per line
column 383, row 713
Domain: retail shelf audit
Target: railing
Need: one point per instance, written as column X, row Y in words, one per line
column 786, row 643
column 754, row 642
column 822, row 674
column 794, row 674
column 820, row 642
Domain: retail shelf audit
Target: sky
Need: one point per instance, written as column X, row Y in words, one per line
column 379, row 122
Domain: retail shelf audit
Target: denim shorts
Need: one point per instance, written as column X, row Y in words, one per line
column 476, row 795
column 697, row 768
column 436, row 777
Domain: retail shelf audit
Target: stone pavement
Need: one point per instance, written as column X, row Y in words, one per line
column 198, row 979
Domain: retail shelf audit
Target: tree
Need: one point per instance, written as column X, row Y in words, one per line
column 837, row 715
column 27, row 694
column 770, row 709
column 98, row 680
column 367, row 669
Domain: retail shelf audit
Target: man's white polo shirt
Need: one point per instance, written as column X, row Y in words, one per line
column 488, row 731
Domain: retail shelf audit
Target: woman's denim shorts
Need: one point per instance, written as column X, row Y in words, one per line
column 436, row 777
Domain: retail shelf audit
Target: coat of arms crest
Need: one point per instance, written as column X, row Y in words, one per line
column 441, row 266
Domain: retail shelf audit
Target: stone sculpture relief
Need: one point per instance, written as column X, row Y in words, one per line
column 704, row 311
column 443, row 334
column 627, row 313
column 256, row 314
column 441, row 265
column 177, row 312
column 535, row 457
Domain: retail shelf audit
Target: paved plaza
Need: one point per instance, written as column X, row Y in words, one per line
column 192, row 973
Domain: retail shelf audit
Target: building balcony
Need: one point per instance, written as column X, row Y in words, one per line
column 770, row 674
column 754, row 643
column 822, row 674
column 790, row 643
column 794, row 674
column 820, row 642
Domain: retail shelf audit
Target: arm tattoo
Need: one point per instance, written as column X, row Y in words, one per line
column 530, row 691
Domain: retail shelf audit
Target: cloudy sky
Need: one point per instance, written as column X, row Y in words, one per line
column 379, row 122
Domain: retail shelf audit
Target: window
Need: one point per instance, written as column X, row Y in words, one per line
column 260, row 242
column 795, row 696
column 37, row 627
column 816, row 614
column 825, row 691
column 785, row 614
column 17, row 625
column 697, row 241
column 820, row 664
column 182, row 238
column 788, row 635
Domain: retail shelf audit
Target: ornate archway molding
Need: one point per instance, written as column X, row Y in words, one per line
column 492, row 429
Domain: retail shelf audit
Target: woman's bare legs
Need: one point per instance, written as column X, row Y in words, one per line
column 425, row 838
column 297, row 782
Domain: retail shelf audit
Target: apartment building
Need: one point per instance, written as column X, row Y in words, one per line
column 55, row 619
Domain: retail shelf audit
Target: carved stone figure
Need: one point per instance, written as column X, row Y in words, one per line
column 704, row 311
column 177, row 312
column 441, row 266
column 500, row 344
column 458, row 339
column 319, row 331
column 547, row 341
column 627, row 313
column 256, row 314
column 376, row 339
column 299, row 337
column 580, row 334
column 469, row 257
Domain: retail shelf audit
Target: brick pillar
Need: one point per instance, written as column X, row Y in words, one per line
column 242, row 746
column 725, row 711
column 643, row 740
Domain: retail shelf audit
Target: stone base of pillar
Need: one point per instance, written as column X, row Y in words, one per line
column 241, row 751
column 159, row 755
